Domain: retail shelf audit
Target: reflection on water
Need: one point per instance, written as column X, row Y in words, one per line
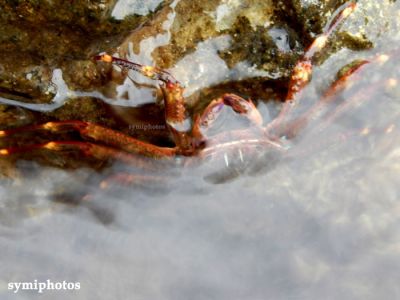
column 321, row 223
column 323, row 226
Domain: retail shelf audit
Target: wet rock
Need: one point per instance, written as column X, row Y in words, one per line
column 37, row 36
column 193, row 23
column 208, row 20
column 259, row 46
column 87, row 109
column 12, row 117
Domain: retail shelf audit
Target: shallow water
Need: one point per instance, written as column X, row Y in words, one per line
column 319, row 225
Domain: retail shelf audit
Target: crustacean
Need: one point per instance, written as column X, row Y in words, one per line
column 190, row 136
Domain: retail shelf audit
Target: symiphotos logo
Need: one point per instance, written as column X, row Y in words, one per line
column 42, row 286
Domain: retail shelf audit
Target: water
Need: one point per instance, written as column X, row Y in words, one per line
column 319, row 223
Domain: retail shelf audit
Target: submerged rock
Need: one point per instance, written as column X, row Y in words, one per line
column 247, row 47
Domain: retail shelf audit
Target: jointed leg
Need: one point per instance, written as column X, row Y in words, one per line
column 331, row 95
column 148, row 71
column 301, row 74
column 93, row 132
column 315, row 112
column 174, row 102
column 239, row 105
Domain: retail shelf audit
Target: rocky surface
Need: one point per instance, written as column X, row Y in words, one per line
column 256, row 43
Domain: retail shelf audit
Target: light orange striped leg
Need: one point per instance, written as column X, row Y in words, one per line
column 98, row 133
column 301, row 74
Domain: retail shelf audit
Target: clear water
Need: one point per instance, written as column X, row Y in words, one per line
column 320, row 225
